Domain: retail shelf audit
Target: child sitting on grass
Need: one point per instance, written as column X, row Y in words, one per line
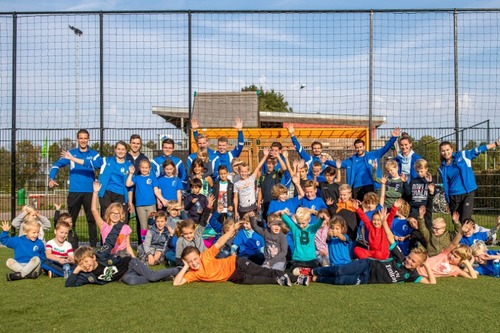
column 378, row 244
column 247, row 243
column 205, row 267
column 190, row 234
column 320, row 239
column 102, row 267
column 346, row 210
column 339, row 244
column 303, row 233
column 58, row 251
column 29, row 213
column 113, row 215
column 72, row 236
column 275, row 243
column 439, row 238
column 29, row 251
column 153, row 249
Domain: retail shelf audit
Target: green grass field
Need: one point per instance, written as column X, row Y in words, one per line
column 43, row 305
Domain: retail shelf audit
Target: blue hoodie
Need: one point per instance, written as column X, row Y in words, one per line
column 24, row 248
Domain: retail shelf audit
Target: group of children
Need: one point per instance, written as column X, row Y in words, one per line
column 243, row 228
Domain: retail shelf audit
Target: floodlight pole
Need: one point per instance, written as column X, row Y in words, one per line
column 78, row 34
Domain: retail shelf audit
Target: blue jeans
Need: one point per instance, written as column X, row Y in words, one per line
column 356, row 272
column 139, row 273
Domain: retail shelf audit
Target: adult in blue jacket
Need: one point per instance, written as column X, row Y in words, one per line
column 81, row 179
column 225, row 156
column 359, row 166
column 202, row 143
column 458, row 178
column 316, row 147
column 168, row 147
column 113, row 175
column 407, row 158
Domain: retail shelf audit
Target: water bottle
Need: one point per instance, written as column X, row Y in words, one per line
column 199, row 209
column 259, row 216
column 229, row 214
column 496, row 268
column 66, row 269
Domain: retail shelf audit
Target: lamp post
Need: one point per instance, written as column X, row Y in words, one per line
column 78, row 34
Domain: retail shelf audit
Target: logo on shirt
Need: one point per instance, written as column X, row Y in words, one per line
column 149, row 181
column 108, row 273
column 35, row 248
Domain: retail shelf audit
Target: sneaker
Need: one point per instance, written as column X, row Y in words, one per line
column 32, row 275
column 284, row 280
column 301, row 271
column 14, row 276
column 303, row 280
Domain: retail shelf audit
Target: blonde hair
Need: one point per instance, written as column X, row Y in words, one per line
column 226, row 225
column 391, row 164
column 420, row 251
column 371, row 198
column 345, row 187
column 202, row 154
column 278, row 190
column 30, row 225
column 421, row 164
column 107, row 214
column 303, row 214
column 83, row 252
column 404, row 210
column 478, row 247
column 439, row 220
column 463, row 252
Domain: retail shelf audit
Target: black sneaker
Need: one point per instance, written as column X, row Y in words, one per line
column 284, row 280
column 303, row 280
column 14, row 276
column 32, row 275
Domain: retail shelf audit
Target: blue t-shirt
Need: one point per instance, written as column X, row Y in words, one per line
column 277, row 205
column 488, row 268
column 169, row 187
column 117, row 179
column 478, row 236
column 144, row 189
column 400, row 228
column 339, row 252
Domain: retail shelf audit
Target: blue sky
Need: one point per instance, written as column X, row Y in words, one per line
column 90, row 5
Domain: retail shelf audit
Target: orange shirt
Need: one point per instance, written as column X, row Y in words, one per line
column 211, row 268
column 345, row 205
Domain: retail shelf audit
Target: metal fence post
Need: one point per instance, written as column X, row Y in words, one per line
column 370, row 86
column 455, row 72
column 13, row 162
column 101, row 82
column 190, row 82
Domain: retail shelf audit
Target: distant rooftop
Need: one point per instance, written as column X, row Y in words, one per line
column 218, row 110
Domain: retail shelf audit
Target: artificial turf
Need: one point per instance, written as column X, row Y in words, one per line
column 44, row 305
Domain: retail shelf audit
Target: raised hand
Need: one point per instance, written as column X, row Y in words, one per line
column 384, row 180
column 238, row 124
column 131, row 169
column 5, row 226
column 194, row 123
column 396, row 131
column 53, row 183
column 398, row 203
column 455, row 217
column 404, row 177
column 290, row 128
column 96, row 186
column 421, row 212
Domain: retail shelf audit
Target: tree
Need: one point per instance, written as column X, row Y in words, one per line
column 55, row 153
column 5, row 170
column 428, row 148
column 107, row 150
column 151, row 145
column 269, row 100
column 27, row 162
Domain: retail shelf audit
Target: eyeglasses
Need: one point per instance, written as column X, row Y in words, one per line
column 437, row 229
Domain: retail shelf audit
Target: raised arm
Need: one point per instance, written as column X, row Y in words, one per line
column 261, row 163
column 93, row 206
column 387, row 228
column 241, row 139
column 131, row 173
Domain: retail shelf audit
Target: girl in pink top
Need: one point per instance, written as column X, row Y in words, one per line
column 320, row 240
column 114, row 214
